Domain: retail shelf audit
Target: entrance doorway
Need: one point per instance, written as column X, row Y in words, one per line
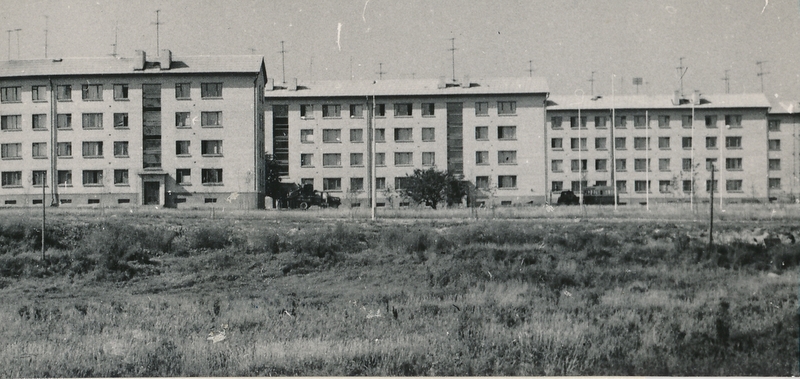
column 151, row 193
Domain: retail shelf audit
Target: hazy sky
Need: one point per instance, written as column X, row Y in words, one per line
column 566, row 40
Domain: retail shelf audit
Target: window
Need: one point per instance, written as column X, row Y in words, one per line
column 65, row 178
column 664, row 186
column 64, row 121
column 600, row 143
column 211, row 147
column 557, row 165
column 92, row 177
column 39, row 149
column 356, row 135
column 331, row 184
column 481, row 108
column 93, row 149
column 711, row 163
column 331, row 111
column 663, row 164
column 120, row 120
column 733, row 121
column 733, row 185
column 12, row 122
column 687, row 186
column 557, row 186
column 121, row 149
column 307, row 160
column 507, row 108
column 619, row 143
column 663, row 143
column 686, row 142
column 641, row 164
column 120, row 92
column 182, row 120
column 39, row 122
column 663, row 121
column 380, row 159
column 380, row 110
column 403, row 159
column 686, row 121
column 686, row 164
column 307, row 181
column 92, row 92
column 307, row 135
column 774, row 183
column 639, row 121
column 428, row 109
column 556, row 144
column 481, row 157
column 39, row 93
column 507, row 157
column 121, row 177
column 600, row 122
column 356, row 110
column 183, row 176
column 380, row 135
column 11, row 151
column 331, row 135
column 774, row 145
column 482, row 182
column 211, row 176
column 402, row 110
column 573, row 122
column 507, row 132
column 621, row 122
column 507, row 181
column 482, row 133
column 210, row 90
column 621, row 165
column 601, row 165
column 12, row 179
column 93, row 121
column 380, row 183
column 556, row 121
column 211, row 118
column 733, row 142
column 356, row 184
column 579, row 165
column 428, row 134
column 711, row 143
column 11, row 94
column 182, row 148
column 641, row 186
column 39, row 178
column 577, row 185
column 356, row 159
column 774, row 125
column 332, row 160
column 183, row 91
column 575, row 143
column 64, row 93
column 641, row 143
column 401, row 182
column 403, row 134
column 601, row 183
column 306, row 111
column 622, row 186
column 774, row 164
column 428, row 158
column 711, row 121
column 64, row 149
column 733, row 164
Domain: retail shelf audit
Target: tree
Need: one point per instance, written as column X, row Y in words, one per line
column 272, row 179
column 433, row 187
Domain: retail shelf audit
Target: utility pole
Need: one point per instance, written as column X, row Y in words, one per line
column 711, row 219
column 727, row 81
column 380, row 71
column 530, row 68
column 453, row 51
column 592, row 81
column 681, row 72
column 283, row 62
column 157, row 24
column 761, row 73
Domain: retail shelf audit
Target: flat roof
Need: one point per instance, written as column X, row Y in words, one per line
column 646, row 102
column 410, row 87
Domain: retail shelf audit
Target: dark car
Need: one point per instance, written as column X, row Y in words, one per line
column 568, row 198
column 306, row 196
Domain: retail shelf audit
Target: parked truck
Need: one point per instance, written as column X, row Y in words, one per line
column 306, row 196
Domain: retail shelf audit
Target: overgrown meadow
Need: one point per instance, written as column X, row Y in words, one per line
column 171, row 296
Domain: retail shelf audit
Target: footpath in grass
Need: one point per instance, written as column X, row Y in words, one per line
column 159, row 296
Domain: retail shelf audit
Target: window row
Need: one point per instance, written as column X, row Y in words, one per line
column 643, row 143
column 91, row 121
column 357, row 159
column 641, row 121
column 89, row 178
column 643, row 164
column 664, row 186
column 89, row 149
column 94, row 92
column 308, row 111
column 357, row 135
column 401, row 182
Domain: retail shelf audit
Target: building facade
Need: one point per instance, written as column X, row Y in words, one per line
column 184, row 132
column 783, row 162
column 488, row 132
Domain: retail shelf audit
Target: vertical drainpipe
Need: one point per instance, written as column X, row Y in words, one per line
column 53, row 145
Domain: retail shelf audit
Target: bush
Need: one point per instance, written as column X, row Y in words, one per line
column 210, row 237
column 329, row 243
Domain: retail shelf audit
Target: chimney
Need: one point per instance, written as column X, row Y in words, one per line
column 270, row 84
column 466, row 83
column 165, row 59
column 139, row 60
column 293, row 84
column 676, row 98
column 696, row 97
column 442, row 83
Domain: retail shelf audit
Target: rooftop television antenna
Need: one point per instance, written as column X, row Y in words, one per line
column 530, row 68
column 728, row 83
column 681, row 72
column 760, row 74
column 157, row 24
column 592, row 81
column 114, row 45
column 45, row 36
column 453, row 49
column 283, row 61
column 380, row 71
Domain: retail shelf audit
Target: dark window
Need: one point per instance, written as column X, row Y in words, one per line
column 210, row 90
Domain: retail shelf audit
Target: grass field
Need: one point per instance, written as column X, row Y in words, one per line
column 146, row 293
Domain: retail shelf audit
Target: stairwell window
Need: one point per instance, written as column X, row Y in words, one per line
column 774, row 145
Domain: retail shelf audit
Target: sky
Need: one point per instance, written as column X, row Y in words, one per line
column 562, row 40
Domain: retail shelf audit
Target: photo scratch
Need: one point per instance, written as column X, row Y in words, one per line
column 339, row 36
column 766, row 2
column 363, row 13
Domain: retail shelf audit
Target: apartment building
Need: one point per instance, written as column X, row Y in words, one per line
column 783, row 141
column 662, row 148
column 488, row 132
column 171, row 131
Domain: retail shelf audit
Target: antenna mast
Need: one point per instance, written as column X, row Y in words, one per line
column 114, row 45
column 157, row 24
column 727, row 83
column 283, row 61
column 380, row 71
column 530, row 68
column 681, row 72
column 760, row 74
column 453, row 51
column 592, row 81
column 17, row 32
column 9, row 42
column 45, row 36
